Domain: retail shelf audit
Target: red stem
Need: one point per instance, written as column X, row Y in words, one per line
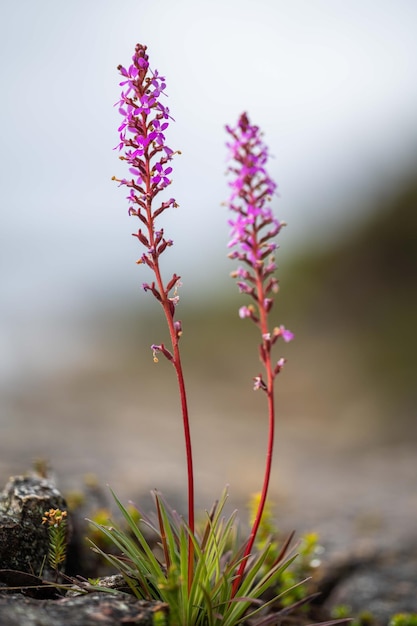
column 183, row 396
column 166, row 305
column 187, row 434
column 261, row 506
column 263, row 324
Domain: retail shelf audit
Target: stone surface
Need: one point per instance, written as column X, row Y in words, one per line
column 383, row 585
column 84, row 610
column 24, row 539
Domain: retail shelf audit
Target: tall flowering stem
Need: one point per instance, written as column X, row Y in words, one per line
column 143, row 144
column 253, row 229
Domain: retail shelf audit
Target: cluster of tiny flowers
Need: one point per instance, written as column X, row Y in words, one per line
column 253, row 230
column 54, row 517
column 252, row 189
column 142, row 139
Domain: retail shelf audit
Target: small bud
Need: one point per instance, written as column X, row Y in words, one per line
column 245, row 311
column 173, row 282
column 258, row 383
column 278, row 367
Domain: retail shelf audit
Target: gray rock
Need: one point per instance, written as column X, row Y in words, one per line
column 383, row 586
column 24, row 540
column 83, row 610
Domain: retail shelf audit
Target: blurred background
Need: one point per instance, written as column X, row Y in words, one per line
column 332, row 84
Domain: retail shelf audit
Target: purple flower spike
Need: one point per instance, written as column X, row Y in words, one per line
column 143, row 144
column 253, row 229
column 252, row 189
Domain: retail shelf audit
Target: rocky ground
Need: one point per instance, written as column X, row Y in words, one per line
column 367, row 578
column 338, row 469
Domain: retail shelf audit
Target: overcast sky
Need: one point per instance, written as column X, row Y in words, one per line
column 331, row 82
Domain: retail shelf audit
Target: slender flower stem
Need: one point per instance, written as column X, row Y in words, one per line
column 176, row 361
column 263, row 323
column 144, row 147
column 253, row 230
